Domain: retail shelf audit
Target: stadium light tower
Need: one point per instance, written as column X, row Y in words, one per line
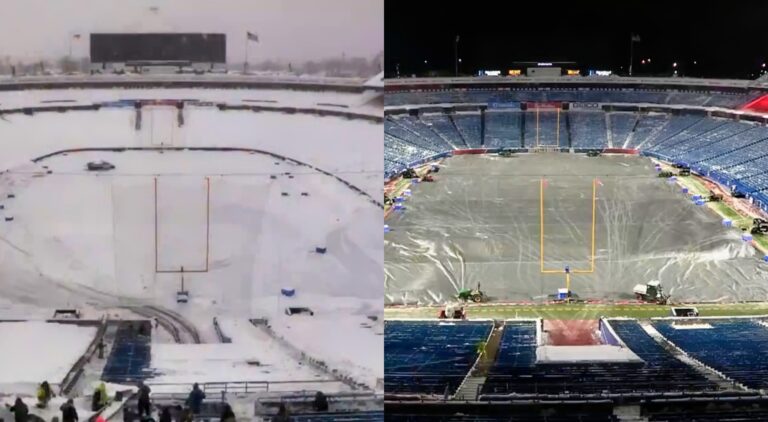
column 456, row 59
column 633, row 38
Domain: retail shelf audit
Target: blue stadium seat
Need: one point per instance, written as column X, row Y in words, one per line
column 129, row 360
column 515, row 370
column 468, row 125
column 430, row 357
column 502, row 129
column 734, row 347
column 588, row 130
column 621, row 126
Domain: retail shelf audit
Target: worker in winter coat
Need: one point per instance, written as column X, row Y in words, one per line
column 103, row 396
column 185, row 415
column 282, row 414
column 20, row 410
column 321, row 402
column 68, row 412
column 44, row 395
column 165, row 415
column 195, row 399
column 145, row 407
column 227, row 415
column 95, row 400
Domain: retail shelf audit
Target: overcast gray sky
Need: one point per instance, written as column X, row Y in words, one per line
column 289, row 30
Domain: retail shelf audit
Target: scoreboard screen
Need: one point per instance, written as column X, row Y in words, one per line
column 193, row 47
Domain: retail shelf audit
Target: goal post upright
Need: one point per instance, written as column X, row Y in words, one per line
column 592, row 250
column 205, row 268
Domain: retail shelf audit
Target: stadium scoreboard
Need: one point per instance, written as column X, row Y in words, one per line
column 158, row 47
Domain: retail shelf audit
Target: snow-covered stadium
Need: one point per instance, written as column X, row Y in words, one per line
column 612, row 231
column 211, row 229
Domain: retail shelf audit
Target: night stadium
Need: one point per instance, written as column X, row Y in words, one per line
column 566, row 240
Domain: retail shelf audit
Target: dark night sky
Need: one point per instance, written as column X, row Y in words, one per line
column 727, row 39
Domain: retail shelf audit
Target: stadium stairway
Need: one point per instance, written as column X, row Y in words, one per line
column 491, row 350
column 469, row 389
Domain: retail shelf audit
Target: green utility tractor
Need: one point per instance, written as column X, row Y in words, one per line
column 473, row 295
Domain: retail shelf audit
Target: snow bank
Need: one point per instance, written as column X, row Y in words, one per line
column 252, row 356
column 35, row 351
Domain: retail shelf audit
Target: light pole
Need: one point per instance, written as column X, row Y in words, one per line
column 456, row 56
column 633, row 38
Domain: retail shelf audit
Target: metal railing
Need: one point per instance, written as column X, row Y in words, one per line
column 233, row 387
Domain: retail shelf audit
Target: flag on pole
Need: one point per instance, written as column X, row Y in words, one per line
column 635, row 38
column 598, row 182
column 252, row 37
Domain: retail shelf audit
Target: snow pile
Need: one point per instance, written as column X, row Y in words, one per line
column 340, row 334
column 37, row 351
column 252, row 356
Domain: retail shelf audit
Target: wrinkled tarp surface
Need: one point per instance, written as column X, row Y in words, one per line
column 480, row 223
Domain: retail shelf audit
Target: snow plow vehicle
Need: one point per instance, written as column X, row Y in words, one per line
column 651, row 292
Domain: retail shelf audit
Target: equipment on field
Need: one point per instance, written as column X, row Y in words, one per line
column 298, row 310
column 651, row 292
column 452, row 311
column 690, row 311
column 410, row 174
column 666, row 174
column 685, row 171
column 427, row 178
column 475, row 295
column 759, row 226
column 66, row 314
column 738, row 194
column 506, row 153
column 182, row 296
column 714, row 197
column 99, row 166
column 593, row 153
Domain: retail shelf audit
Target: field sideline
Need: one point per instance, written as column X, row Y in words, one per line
column 579, row 311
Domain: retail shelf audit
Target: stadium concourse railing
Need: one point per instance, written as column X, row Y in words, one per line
column 350, row 115
column 174, row 389
column 353, row 85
